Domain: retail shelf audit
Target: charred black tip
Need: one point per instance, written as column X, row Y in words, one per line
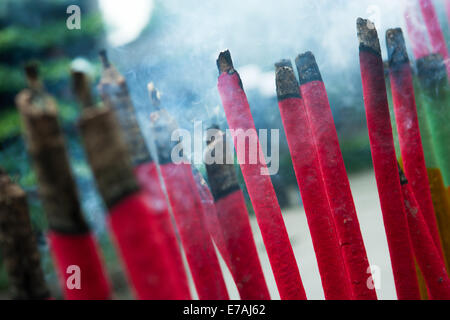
column 104, row 58
column 396, row 47
column 368, row 36
column 224, row 62
column 32, row 70
column 307, row 68
column 286, row 83
column 81, row 88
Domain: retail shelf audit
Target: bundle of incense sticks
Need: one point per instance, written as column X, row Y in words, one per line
column 441, row 201
column 426, row 252
column 259, row 185
column 297, row 126
column 140, row 243
column 436, row 99
column 187, row 208
column 71, row 241
column 114, row 92
column 434, row 31
column 233, row 220
column 18, row 244
column 334, row 174
column 408, row 128
column 384, row 161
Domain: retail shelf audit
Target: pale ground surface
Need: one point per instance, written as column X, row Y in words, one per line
column 369, row 214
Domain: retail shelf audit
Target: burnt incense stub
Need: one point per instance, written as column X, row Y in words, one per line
column 368, row 36
column 108, row 155
column 18, row 244
column 307, row 68
column 432, row 71
column 56, row 185
column 286, row 83
column 114, row 92
column 396, row 48
column 222, row 176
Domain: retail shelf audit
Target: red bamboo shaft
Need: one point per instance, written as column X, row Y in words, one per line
column 306, row 163
column 408, row 129
column 384, row 161
column 232, row 217
column 417, row 31
column 434, row 31
column 335, row 176
column 188, row 212
column 147, row 175
column 427, row 255
column 259, row 185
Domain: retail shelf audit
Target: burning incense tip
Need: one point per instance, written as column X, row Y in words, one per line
column 307, row 68
column 367, row 35
column 396, row 47
column 224, row 62
column 81, row 88
column 155, row 95
column 104, row 58
column 431, row 69
column 287, row 85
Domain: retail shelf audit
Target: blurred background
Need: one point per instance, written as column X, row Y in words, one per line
column 175, row 44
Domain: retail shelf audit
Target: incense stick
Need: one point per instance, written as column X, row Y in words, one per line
column 114, row 92
column 335, row 281
column 259, row 185
column 335, row 177
column 71, row 241
column 435, row 32
column 234, row 223
column 18, row 244
column 384, row 162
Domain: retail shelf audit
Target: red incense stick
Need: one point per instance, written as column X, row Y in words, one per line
column 140, row 243
column 408, row 128
column 427, row 255
column 384, row 161
column 210, row 215
column 188, row 211
column 416, row 31
column 435, row 32
column 335, row 177
column 71, row 241
column 114, row 92
column 305, row 159
column 232, row 217
column 259, row 185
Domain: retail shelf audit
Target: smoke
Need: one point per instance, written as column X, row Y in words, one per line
column 179, row 48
